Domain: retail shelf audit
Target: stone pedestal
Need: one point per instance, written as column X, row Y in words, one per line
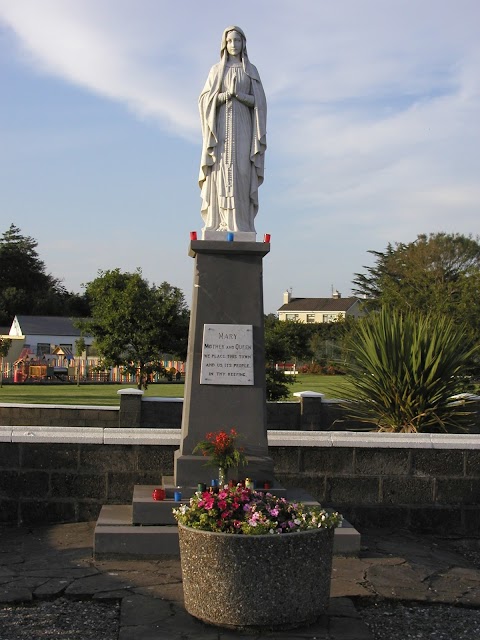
column 130, row 408
column 227, row 290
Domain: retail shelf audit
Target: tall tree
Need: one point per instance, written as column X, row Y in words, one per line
column 438, row 273
column 134, row 323
column 25, row 285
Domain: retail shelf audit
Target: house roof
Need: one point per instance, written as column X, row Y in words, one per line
column 47, row 325
column 328, row 305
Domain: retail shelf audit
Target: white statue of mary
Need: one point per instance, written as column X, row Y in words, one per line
column 233, row 113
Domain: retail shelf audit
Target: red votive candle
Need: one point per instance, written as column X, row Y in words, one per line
column 193, row 235
column 158, row 494
column 266, row 237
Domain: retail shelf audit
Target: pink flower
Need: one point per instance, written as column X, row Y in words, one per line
column 208, row 503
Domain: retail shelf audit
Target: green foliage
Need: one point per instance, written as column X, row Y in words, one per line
column 26, row 287
column 406, row 367
column 5, row 344
column 277, row 384
column 438, row 273
column 80, row 347
column 221, row 449
column 241, row 511
column 327, row 343
column 284, row 341
column 134, row 322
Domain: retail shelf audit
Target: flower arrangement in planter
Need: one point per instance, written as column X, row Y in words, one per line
column 222, row 451
column 240, row 510
column 251, row 560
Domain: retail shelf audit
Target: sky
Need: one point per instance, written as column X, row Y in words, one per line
column 373, row 131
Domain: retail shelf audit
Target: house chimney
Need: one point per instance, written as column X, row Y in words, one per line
column 336, row 294
column 286, row 296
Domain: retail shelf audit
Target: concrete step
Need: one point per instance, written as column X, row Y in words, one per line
column 116, row 536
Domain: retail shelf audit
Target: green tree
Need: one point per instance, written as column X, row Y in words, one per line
column 438, row 273
column 134, row 322
column 5, row 344
column 25, row 285
column 80, row 347
column 327, row 341
column 284, row 341
column 405, row 368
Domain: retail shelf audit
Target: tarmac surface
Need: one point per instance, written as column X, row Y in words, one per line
column 51, row 587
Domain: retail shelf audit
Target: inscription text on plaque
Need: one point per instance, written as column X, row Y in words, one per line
column 227, row 354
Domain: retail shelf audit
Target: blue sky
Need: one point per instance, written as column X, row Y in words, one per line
column 373, row 131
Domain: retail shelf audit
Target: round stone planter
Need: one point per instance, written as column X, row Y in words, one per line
column 244, row 581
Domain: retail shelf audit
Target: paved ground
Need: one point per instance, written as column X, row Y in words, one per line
column 50, row 587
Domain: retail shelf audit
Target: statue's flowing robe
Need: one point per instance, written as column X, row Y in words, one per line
column 234, row 143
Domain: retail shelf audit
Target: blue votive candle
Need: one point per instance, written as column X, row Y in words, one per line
column 177, row 496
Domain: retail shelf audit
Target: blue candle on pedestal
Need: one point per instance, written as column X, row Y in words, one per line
column 177, row 496
column 230, row 236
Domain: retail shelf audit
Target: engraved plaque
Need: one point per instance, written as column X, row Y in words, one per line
column 227, row 354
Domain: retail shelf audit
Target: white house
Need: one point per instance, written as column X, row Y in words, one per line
column 311, row 310
column 42, row 335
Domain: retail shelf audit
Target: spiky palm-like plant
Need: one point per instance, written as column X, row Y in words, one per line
column 406, row 367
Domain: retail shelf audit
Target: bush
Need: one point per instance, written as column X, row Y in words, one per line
column 312, row 367
column 277, row 384
column 405, row 369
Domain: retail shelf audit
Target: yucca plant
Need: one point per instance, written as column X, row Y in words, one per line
column 405, row 368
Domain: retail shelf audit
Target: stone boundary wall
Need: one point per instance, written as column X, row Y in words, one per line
column 310, row 412
column 425, row 482
column 52, row 415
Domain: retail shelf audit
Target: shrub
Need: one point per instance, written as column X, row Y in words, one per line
column 406, row 367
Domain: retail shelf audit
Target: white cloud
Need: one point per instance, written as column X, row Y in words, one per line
column 373, row 105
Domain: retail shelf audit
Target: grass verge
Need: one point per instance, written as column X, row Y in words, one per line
column 106, row 394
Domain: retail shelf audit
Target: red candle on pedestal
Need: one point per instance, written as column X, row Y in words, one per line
column 193, row 235
column 158, row 494
column 266, row 237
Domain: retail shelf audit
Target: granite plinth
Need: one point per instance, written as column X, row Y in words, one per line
column 227, row 291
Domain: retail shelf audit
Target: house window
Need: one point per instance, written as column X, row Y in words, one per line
column 310, row 317
column 330, row 317
column 292, row 316
column 66, row 346
column 43, row 348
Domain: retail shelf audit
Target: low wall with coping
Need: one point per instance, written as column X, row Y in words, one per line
column 312, row 412
column 425, row 482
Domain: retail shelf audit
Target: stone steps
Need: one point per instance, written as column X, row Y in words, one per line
column 147, row 529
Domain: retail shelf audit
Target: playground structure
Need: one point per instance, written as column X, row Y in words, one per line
column 30, row 369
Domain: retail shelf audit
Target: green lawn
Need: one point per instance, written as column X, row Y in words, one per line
column 106, row 394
